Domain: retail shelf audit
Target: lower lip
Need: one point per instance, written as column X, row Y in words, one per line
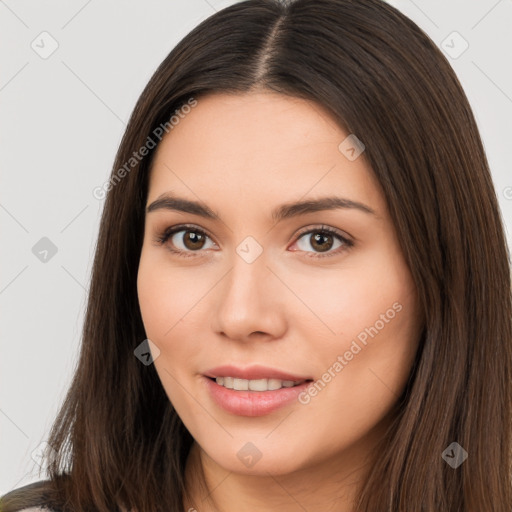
column 253, row 403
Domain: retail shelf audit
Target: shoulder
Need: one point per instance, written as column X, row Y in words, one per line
column 29, row 498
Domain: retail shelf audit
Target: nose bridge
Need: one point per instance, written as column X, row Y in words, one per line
column 249, row 275
column 246, row 303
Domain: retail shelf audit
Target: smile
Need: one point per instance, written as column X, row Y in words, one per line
column 255, row 384
column 253, row 397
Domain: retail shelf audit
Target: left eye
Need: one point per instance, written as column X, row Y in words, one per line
column 323, row 239
column 193, row 240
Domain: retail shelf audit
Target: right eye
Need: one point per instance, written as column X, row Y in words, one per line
column 192, row 240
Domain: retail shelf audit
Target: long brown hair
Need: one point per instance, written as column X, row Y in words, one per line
column 118, row 438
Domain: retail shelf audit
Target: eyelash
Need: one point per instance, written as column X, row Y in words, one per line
column 164, row 236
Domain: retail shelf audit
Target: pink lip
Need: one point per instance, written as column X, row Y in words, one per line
column 253, row 403
column 253, row 373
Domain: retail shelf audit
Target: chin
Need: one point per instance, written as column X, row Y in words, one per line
column 258, row 458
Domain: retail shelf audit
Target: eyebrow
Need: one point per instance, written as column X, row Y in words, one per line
column 168, row 201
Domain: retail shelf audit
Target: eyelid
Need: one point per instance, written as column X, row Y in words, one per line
column 323, row 227
column 163, row 236
column 345, row 239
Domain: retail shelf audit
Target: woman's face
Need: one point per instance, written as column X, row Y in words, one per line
column 253, row 291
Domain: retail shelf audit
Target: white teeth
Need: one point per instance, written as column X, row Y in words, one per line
column 274, row 384
column 255, row 384
column 240, row 384
column 258, row 385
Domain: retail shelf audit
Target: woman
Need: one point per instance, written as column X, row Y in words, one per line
column 301, row 292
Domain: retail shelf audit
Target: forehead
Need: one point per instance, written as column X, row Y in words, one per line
column 259, row 144
column 249, row 119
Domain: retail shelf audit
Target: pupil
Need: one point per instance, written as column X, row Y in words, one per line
column 194, row 238
column 322, row 247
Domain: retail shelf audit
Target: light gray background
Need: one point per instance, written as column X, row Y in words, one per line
column 62, row 118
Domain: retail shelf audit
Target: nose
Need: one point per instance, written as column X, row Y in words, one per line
column 250, row 301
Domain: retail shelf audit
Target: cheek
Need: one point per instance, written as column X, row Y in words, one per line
column 359, row 294
column 162, row 307
column 164, row 293
column 158, row 302
column 152, row 301
column 170, row 302
column 360, row 381
column 370, row 331
column 372, row 375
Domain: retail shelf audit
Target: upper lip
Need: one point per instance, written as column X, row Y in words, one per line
column 254, row 372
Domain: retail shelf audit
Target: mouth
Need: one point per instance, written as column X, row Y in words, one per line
column 260, row 385
column 254, row 390
column 256, row 374
column 253, row 397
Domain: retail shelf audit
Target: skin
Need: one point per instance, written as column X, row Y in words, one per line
column 290, row 309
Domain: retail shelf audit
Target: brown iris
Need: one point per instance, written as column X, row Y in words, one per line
column 195, row 239
column 318, row 245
